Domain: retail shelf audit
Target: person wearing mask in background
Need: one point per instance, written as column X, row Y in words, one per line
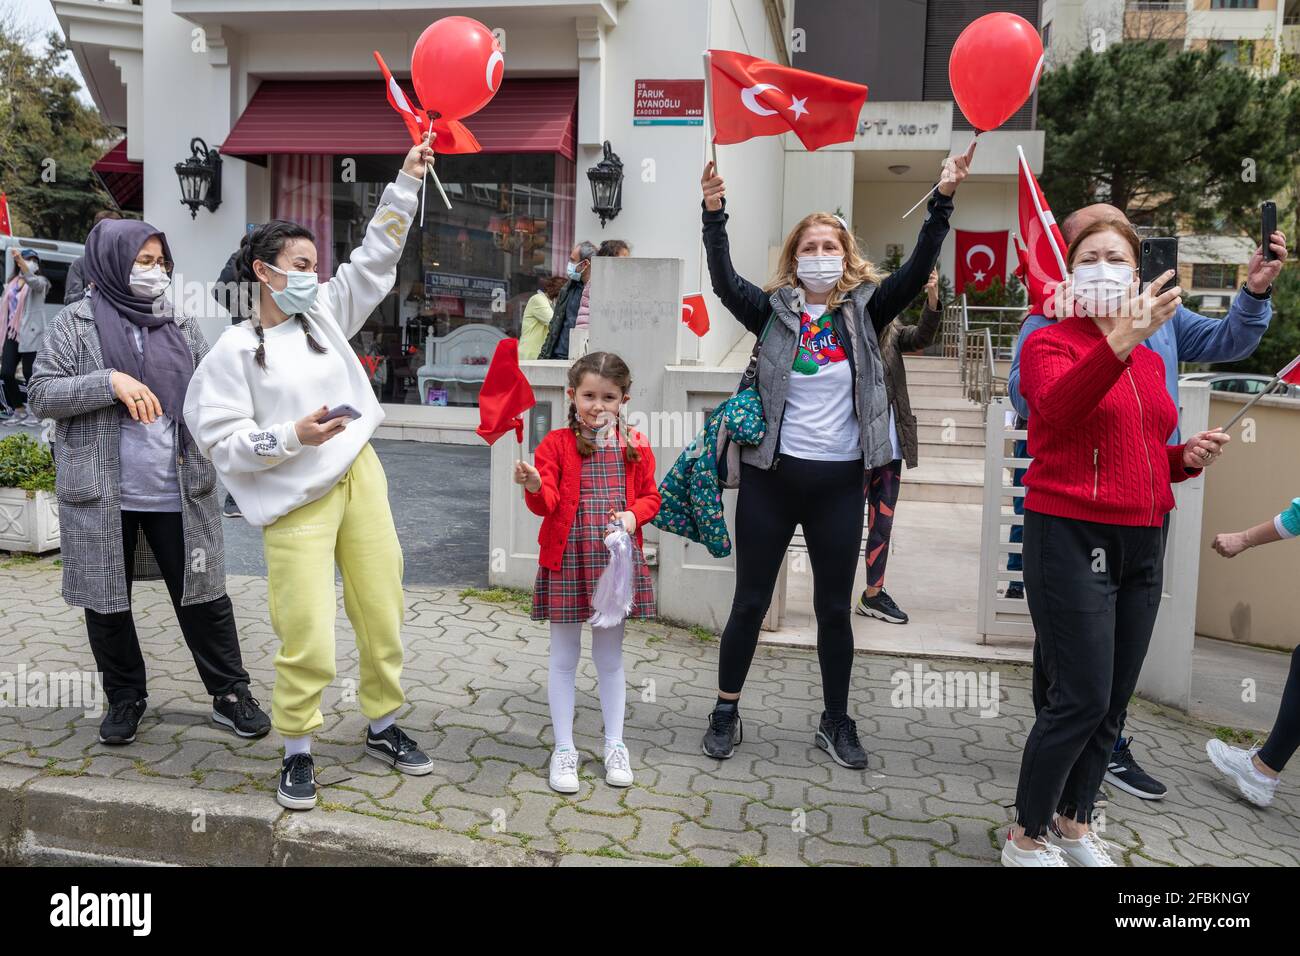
column 136, row 499
column 1186, row 337
column 1099, row 492
column 537, row 317
column 556, row 345
column 1255, row 772
column 74, row 287
column 896, row 340
column 610, row 248
column 24, row 331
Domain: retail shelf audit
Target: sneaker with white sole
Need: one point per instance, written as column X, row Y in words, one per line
column 1088, row 850
column 564, row 770
column 1123, row 772
column 1045, row 854
column 618, row 765
column 1238, row 766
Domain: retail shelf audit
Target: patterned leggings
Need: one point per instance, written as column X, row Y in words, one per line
column 882, row 495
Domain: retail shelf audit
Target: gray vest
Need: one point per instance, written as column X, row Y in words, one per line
column 776, row 361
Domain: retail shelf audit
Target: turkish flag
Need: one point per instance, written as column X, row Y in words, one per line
column 1044, row 259
column 1292, row 372
column 505, row 395
column 695, row 314
column 5, row 228
column 449, row 136
column 752, row 97
column 981, row 257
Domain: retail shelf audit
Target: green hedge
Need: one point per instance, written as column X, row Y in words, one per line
column 27, row 464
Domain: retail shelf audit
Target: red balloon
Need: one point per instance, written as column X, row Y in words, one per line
column 456, row 67
column 994, row 67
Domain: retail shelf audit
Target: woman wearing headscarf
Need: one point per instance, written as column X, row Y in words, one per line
column 136, row 499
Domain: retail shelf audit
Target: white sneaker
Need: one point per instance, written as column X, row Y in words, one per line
column 1045, row 855
column 1088, row 850
column 618, row 765
column 1238, row 766
column 564, row 770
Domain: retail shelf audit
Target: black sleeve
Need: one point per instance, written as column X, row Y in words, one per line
column 900, row 288
column 746, row 301
column 913, row 338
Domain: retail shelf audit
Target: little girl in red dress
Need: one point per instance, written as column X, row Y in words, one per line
column 590, row 476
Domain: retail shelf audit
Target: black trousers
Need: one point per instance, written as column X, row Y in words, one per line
column 15, row 395
column 1093, row 592
column 825, row 497
column 209, row 628
column 1285, row 736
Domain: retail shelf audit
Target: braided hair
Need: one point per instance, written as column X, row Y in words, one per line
column 265, row 243
column 609, row 366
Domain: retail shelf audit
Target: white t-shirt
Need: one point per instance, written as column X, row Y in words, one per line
column 820, row 422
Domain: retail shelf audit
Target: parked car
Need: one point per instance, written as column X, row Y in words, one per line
column 1241, row 383
column 56, row 257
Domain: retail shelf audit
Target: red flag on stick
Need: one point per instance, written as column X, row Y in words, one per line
column 450, row 136
column 1044, row 262
column 695, row 313
column 505, row 395
column 753, row 97
column 5, row 227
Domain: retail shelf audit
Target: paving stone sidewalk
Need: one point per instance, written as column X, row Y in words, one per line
column 935, row 793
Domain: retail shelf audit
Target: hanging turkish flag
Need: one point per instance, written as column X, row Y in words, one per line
column 752, row 97
column 449, row 136
column 695, row 314
column 505, row 395
column 5, row 228
column 1044, row 260
column 981, row 257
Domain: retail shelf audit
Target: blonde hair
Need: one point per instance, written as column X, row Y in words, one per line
column 857, row 269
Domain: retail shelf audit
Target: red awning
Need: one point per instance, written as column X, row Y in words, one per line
column 123, row 178
column 353, row 116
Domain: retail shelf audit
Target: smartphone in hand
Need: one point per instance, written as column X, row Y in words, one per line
column 340, row 411
column 1268, row 226
column 1158, row 257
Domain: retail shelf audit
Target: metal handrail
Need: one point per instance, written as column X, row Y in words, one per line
column 994, row 340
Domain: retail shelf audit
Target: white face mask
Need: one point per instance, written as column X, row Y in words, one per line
column 33, row 267
column 149, row 283
column 1100, row 288
column 820, row 273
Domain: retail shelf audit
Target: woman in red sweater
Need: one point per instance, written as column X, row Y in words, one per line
column 591, row 476
column 1098, row 492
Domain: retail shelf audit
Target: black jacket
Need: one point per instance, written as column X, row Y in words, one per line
column 563, row 319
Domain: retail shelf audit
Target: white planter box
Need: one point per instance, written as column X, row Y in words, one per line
column 28, row 524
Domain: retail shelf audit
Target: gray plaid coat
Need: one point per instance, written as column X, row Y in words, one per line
column 71, row 385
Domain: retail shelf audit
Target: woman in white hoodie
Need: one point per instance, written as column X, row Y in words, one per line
column 257, row 407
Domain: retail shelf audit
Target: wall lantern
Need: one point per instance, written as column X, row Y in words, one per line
column 606, row 186
column 200, row 177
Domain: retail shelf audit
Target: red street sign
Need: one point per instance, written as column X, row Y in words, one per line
column 668, row 103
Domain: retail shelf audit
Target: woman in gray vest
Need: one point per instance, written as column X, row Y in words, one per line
column 822, row 384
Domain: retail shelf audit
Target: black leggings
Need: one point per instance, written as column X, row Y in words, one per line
column 825, row 497
column 1285, row 738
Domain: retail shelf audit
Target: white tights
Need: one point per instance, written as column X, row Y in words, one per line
column 607, row 654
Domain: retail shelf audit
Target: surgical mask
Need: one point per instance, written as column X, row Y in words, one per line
column 299, row 295
column 33, row 267
column 1101, row 288
column 573, row 272
column 149, row 283
column 820, row 273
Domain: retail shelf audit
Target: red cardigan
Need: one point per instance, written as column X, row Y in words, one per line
column 560, row 465
column 1098, row 428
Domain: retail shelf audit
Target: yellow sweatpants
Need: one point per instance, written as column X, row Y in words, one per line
column 353, row 527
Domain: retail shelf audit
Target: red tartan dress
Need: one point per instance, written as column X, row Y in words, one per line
column 565, row 597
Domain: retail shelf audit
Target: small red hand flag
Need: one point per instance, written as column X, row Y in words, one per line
column 695, row 314
column 1044, row 261
column 449, row 136
column 5, row 227
column 753, row 97
column 505, row 395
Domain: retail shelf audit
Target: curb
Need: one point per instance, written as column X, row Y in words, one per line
column 96, row 820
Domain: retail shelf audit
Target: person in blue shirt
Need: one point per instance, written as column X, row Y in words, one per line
column 1186, row 337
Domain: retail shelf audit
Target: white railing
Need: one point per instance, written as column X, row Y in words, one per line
column 997, row 616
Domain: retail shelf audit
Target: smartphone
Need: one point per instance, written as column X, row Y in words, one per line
column 1268, row 226
column 340, row 411
column 1158, row 256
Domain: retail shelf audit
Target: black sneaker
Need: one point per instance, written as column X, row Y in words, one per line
column 838, row 736
column 243, row 715
column 119, row 726
column 396, row 749
column 297, row 790
column 1125, row 773
column 1015, row 591
column 231, row 510
column 881, row 606
column 725, row 731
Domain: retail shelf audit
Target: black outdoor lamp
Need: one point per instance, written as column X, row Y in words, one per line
column 200, row 177
column 606, row 186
